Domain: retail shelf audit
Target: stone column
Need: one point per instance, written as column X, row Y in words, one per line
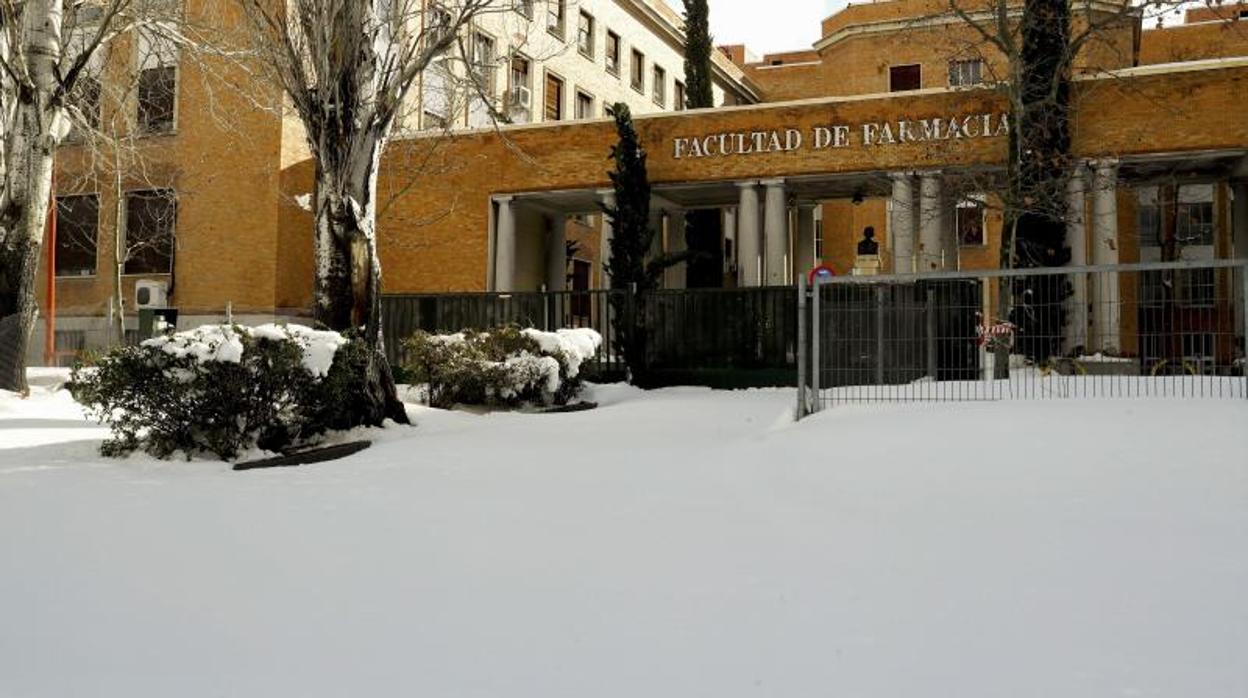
column 749, row 235
column 902, row 223
column 676, row 244
column 776, row 233
column 1239, row 226
column 1077, row 238
column 1106, row 299
column 804, row 247
column 607, row 197
column 931, row 223
column 505, row 246
column 557, row 254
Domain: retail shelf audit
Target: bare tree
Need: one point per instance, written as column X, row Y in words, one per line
column 37, row 77
column 347, row 68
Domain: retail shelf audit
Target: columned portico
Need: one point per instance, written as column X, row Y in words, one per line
column 505, row 245
column 749, row 234
column 902, row 223
column 932, row 222
column 557, row 254
column 1106, row 298
column 1077, row 238
column 776, row 233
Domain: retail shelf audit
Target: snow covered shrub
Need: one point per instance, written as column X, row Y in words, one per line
column 505, row 367
column 223, row 389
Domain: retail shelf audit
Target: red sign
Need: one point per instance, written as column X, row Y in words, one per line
column 822, row 271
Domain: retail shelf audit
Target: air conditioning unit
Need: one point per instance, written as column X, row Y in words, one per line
column 521, row 96
column 151, row 294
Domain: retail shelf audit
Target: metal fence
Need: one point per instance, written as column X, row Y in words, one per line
column 1133, row 330
column 712, row 337
column 403, row 315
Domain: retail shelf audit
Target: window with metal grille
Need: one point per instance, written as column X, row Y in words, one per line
column 151, row 218
column 966, row 73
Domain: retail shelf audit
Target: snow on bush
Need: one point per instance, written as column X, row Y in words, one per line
column 224, row 389
column 505, row 367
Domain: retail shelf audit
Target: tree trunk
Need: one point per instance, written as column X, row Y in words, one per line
column 22, row 223
column 348, row 269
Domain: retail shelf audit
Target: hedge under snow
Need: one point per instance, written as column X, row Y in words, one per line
column 225, row 389
column 503, row 367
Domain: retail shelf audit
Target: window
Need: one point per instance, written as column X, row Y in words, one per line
column 613, row 53
column 585, row 35
column 77, row 227
column 659, row 86
column 439, row 23
column 556, row 12
column 584, row 105
column 905, row 77
column 156, row 90
column 484, row 63
column 524, row 7
column 1194, row 215
column 520, row 106
column 966, row 73
column 434, row 122
column 678, row 96
column 969, row 219
column 151, row 216
column 85, row 100
column 639, row 71
column 554, row 98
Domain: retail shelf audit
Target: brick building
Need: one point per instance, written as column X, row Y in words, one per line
column 890, row 120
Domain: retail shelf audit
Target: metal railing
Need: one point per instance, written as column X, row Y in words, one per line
column 1130, row 330
column 713, row 337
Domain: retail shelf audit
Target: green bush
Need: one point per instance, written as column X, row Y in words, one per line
column 506, row 367
column 223, row 390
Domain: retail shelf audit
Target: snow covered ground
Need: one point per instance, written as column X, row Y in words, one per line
column 678, row 543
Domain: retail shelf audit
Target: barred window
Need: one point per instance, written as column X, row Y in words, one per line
column 966, row 73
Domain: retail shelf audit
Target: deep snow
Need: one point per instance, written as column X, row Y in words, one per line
column 678, row 543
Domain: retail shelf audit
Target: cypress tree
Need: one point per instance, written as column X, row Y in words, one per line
column 630, row 219
column 703, row 228
column 698, row 47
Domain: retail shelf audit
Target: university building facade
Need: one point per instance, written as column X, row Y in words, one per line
column 891, row 121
